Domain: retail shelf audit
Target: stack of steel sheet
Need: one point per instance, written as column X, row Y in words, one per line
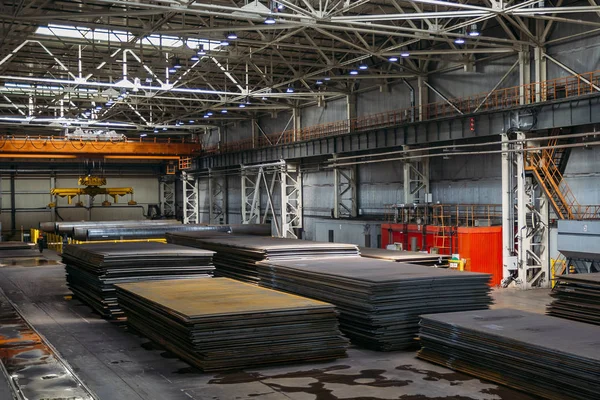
column 9, row 246
column 549, row 357
column 411, row 257
column 379, row 301
column 220, row 324
column 577, row 297
column 94, row 269
column 237, row 254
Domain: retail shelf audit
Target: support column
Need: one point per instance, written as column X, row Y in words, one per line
column 423, row 97
column 509, row 262
column 540, row 74
column 291, row 201
column 345, row 204
column 524, row 75
column 250, row 197
column 217, row 198
column 13, row 205
column 254, row 133
column 297, row 117
column 190, row 198
column 351, row 111
column 416, row 180
column 167, row 196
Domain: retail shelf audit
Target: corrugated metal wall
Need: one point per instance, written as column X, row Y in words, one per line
column 333, row 111
column 33, row 196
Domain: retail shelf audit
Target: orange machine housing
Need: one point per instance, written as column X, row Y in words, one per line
column 481, row 247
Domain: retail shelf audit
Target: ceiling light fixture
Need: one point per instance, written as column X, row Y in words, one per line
column 393, row 59
column 404, row 54
column 201, row 51
column 172, row 70
column 363, row 66
column 353, row 72
column 224, row 42
column 459, row 40
column 176, row 63
column 473, row 31
column 194, row 58
column 210, row 113
column 319, row 82
column 289, row 89
column 242, row 105
column 143, row 134
column 232, row 36
column 224, row 111
column 270, row 20
column 155, row 130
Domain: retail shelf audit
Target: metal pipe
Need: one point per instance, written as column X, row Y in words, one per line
column 69, row 228
column 144, row 232
column 533, row 139
column 469, row 153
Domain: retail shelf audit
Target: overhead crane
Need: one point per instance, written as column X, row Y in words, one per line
column 53, row 147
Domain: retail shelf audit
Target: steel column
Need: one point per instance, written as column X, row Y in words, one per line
column 167, row 196
column 345, row 204
column 190, row 198
column 416, row 180
column 217, row 198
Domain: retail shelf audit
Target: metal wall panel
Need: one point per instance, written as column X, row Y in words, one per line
column 385, row 98
column 335, row 110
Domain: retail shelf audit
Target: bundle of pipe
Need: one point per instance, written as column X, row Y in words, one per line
column 68, row 227
column 140, row 231
column 155, row 232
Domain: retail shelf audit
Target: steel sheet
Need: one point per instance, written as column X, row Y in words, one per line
column 220, row 324
column 546, row 356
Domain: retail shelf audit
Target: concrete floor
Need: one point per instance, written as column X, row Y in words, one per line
column 118, row 365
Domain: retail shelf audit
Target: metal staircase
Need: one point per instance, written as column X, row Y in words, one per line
column 547, row 166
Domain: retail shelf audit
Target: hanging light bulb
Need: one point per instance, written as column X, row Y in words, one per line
column 176, row 63
column 473, row 31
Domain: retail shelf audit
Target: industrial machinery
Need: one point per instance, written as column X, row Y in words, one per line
column 578, row 242
column 92, row 188
column 94, row 134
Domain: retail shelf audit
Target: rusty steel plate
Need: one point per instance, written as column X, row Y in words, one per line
column 220, row 324
column 94, row 269
column 546, row 356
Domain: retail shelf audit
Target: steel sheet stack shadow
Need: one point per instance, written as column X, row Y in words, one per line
column 221, row 324
column 549, row 357
column 577, row 297
column 237, row 255
column 94, row 269
column 379, row 301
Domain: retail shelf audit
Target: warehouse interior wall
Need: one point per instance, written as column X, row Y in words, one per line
column 32, row 196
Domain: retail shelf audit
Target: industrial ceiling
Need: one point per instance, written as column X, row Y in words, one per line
column 180, row 66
